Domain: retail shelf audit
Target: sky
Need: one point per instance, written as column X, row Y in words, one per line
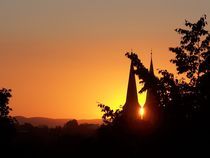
column 61, row 57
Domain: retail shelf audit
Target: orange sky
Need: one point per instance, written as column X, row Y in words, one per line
column 62, row 57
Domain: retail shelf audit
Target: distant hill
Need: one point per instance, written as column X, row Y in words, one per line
column 39, row 121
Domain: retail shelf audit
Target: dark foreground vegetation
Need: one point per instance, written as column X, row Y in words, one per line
column 182, row 127
column 186, row 139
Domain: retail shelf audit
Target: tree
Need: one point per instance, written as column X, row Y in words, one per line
column 7, row 123
column 71, row 124
column 192, row 56
column 110, row 117
column 5, row 95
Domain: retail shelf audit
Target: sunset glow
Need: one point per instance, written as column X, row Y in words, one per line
column 141, row 112
column 62, row 57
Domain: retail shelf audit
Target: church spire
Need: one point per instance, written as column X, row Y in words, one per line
column 132, row 90
column 150, row 90
column 151, row 69
column 131, row 106
column 151, row 108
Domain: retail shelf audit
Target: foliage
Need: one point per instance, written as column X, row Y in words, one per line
column 192, row 56
column 110, row 116
column 7, row 123
column 5, row 95
column 71, row 124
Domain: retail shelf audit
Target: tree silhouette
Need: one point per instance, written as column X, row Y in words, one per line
column 5, row 95
column 6, row 121
column 71, row 124
column 110, row 117
column 192, row 56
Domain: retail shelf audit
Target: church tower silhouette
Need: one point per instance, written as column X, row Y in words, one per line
column 149, row 103
column 150, row 106
column 131, row 107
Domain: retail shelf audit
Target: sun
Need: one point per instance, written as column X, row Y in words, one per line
column 141, row 112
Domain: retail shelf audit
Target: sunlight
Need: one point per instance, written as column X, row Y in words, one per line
column 142, row 99
column 141, row 112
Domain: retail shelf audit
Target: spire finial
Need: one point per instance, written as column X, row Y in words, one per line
column 151, row 53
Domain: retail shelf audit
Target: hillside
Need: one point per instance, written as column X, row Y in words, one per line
column 39, row 121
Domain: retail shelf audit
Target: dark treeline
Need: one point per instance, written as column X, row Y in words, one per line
column 181, row 127
column 26, row 140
